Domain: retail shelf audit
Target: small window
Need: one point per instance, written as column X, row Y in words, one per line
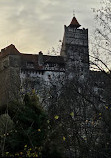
column 49, row 76
column 30, row 64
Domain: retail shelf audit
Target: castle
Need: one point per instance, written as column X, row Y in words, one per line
column 24, row 72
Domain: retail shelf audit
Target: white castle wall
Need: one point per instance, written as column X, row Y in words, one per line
column 41, row 79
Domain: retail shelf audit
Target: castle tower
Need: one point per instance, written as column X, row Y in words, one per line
column 75, row 50
column 9, row 74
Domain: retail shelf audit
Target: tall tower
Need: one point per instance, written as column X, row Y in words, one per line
column 75, row 50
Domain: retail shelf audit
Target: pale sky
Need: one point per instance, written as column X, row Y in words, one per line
column 38, row 25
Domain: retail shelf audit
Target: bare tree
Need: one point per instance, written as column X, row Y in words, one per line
column 101, row 42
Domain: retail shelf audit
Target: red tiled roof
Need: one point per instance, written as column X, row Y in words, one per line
column 9, row 50
column 53, row 59
column 74, row 23
column 46, row 59
column 31, row 58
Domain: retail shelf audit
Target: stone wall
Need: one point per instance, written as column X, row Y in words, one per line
column 14, row 76
column 4, row 80
column 75, row 51
column 39, row 79
column 9, row 78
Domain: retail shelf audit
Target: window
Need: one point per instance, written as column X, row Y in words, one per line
column 49, row 76
column 30, row 65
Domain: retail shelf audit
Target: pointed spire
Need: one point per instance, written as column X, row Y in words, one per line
column 74, row 22
column 73, row 13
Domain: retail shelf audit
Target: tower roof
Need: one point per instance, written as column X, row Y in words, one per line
column 74, row 23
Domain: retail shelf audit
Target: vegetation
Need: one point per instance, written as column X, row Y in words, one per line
column 26, row 130
column 77, row 122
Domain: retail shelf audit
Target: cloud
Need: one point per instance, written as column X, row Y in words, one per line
column 34, row 25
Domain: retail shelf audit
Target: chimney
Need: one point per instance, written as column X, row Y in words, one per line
column 40, row 59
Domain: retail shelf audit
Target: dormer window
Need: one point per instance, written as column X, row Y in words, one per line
column 30, row 65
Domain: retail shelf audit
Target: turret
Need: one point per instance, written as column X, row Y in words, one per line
column 75, row 49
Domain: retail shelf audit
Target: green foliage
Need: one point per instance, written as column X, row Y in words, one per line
column 32, row 133
column 30, row 124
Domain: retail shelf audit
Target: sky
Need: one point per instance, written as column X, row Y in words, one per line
column 38, row 25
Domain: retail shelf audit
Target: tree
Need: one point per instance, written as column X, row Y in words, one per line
column 102, row 36
column 81, row 114
column 28, row 130
column 88, row 101
column 29, row 125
